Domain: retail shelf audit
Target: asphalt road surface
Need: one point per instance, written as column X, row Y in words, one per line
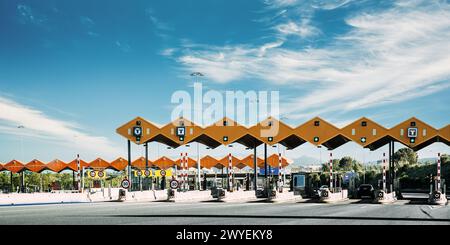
column 352, row 212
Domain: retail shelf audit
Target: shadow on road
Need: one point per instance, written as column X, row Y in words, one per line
column 276, row 217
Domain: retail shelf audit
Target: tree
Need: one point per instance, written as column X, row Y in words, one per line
column 346, row 164
column 404, row 157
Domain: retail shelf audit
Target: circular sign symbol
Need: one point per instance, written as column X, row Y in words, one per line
column 137, row 131
column 125, row 184
column 147, row 173
column 163, row 173
column 139, row 173
column 101, row 174
column 174, row 184
column 92, row 174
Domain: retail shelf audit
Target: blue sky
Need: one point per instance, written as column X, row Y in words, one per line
column 71, row 72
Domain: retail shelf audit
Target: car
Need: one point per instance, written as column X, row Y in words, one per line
column 366, row 191
column 318, row 192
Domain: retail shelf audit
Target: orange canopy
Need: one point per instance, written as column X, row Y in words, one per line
column 234, row 161
column 119, row 164
column 140, row 163
column 73, row 165
column 164, row 163
column 99, row 164
column 191, row 163
column 273, row 161
column 14, row 166
column 208, row 162
column 57, row 166
column 248, row 161
column 35, row 166
column 1, row 167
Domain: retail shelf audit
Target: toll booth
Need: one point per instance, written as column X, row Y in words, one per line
column 301, row 184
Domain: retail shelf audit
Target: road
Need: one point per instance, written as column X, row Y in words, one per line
column 352, row 212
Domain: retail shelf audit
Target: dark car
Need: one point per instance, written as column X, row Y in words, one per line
column 318, row 192
column 366, row 191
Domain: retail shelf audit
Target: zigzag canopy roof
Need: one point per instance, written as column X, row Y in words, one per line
column 121, row 164
column 316, row 131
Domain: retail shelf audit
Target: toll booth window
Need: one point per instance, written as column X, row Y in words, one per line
column 316, row 123
column 299, row 181
column 424, row 132
column 353, row 131
column 402, row 132
column 364, row 123
column 413, row 124
column 374, row 131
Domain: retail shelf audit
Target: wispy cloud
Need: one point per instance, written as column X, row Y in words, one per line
column 303, row 29
column 37, row 124
column 161, row 28
column 27, row 15
column 124, row 47
column 86, row 21
column 388, row 56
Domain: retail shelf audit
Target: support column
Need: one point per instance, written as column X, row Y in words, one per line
column 146, row 156
column 384, row 172
column 255, row 173
column 265, row 167
column 146, row 165
column 390, row 163
column 11, row 181
column 22, row 181
column 129, row 164
column 393, row 166
column 331, row 171
column 198, row 167
column 230, row 172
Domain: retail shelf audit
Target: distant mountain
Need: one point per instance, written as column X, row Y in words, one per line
column 426, row 160
column 305, row 161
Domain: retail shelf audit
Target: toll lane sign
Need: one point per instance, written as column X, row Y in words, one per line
column 125, row 184
column 412, row 132
column 174, row 184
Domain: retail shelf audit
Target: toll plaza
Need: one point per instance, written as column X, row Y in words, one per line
column 228, row 177
column 412, row 133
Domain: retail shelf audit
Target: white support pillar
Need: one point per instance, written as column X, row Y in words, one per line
column 280, row 181
column 384, row 172
column 78, row 174
column 181, row 172
column 439, row 172
column 186, row 168
column 230, row 174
